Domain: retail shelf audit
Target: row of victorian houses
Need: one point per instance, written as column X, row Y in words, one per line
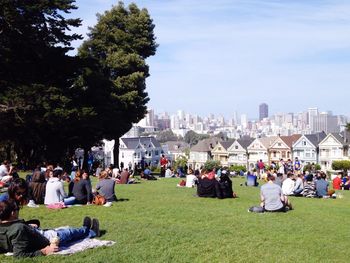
column 318, row 148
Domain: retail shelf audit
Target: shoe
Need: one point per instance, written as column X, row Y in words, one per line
column 32, row 204
column 87, row 222
column 108, row 204
column 96, row 227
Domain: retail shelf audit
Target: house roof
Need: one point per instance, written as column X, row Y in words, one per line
column 205, row 145
column 316, row 138
column 131, row 143
column 245, row 142
column 339, row 138
column 176, row 146
column 289, row 140
column 267, row 141
column 226, row 144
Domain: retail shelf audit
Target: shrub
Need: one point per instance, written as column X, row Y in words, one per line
column 308, row 167
column 237, row 168
column 341, row 165
column 211, row 164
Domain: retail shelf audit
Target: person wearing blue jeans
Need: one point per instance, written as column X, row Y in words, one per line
column 25, row 239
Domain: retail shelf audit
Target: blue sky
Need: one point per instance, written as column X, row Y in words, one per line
column 230, row 55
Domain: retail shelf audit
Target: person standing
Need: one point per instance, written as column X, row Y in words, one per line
column 163, row 163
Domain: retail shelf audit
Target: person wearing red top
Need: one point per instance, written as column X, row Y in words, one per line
column 163, row 164
column 337, row 182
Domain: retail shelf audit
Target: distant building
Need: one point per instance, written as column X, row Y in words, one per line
column 135, row 149
column 263, row 111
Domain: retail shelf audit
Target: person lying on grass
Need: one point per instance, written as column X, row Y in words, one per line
column 272, row 198
column 28, row 240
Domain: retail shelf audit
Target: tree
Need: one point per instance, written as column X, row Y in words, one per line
column 120, row 42
column 36, row 76
column 192, row 138
column 166, row 135
column 341, row 165
column 211, row 164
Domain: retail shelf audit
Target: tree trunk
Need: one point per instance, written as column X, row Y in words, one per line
column 116, row 152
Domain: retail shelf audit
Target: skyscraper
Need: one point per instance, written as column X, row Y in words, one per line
column 263, row 111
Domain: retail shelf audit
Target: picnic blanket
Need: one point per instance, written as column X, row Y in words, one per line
column 82, row 245
column 79, row 245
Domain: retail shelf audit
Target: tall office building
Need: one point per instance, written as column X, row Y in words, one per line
column 312, row 115
column 263, row 111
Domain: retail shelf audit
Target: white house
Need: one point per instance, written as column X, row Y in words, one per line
column 134, row 149
column 220, row 152
column 332, row 148
column 238, row 153
column 306, row 148
column 258, row 150
column 175, row 149
column 201, row 152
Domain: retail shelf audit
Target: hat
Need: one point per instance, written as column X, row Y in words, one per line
column 224, row 172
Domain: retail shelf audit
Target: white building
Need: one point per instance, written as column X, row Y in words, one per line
column 135, row 149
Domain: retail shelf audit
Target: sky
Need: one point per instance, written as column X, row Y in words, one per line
column 231, row 55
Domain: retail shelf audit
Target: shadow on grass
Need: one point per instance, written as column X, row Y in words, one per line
column 122, row 199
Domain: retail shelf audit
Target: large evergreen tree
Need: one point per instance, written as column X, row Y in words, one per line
column 36, row 75
column 121, row 41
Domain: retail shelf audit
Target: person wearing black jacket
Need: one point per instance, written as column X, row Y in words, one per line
column 225, row 185
column 82, row 189
column 208, row 188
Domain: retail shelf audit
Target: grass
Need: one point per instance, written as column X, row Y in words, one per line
column 163, row 223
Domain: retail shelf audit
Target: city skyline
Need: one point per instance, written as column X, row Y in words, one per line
column 229, row 55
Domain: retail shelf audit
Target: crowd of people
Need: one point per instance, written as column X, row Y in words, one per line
column 45, row 185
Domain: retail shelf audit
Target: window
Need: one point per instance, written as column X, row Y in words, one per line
column 219, row 148
column 304, row 143
column 156, row 153
column 274, row 154
column 236, row 147
column 122, row 155
column 283, row 154
column 279, row 144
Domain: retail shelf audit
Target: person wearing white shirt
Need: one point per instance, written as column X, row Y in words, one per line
column 299, row 185
column 288, row 185
column 191, row 179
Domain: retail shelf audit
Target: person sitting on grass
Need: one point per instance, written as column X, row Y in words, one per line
column 321, row 185
column 299, row 185
column 147, row 174
column 225, row 185
column 17, row 191
column 28, row 240
column 207, row 185
column 82, row 189
column 251, row 179
column 191, row 179
column 272, row 198
column 309, row 187
column 105, row 187
column 338, row 182
column 288, row 184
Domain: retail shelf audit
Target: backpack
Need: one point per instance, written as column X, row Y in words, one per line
column 99, row 200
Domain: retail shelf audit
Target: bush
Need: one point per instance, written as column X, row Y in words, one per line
column 181, row 161
column 237, row 168
column 211, row 164
column 308, row 167
column 155, row 169
column 341, row 165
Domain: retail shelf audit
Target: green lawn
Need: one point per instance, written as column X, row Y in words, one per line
column 163, row 223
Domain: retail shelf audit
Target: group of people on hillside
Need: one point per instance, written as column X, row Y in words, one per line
column 27, row 238
column 282, row 167
column 210, row 183
column 46, row 186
